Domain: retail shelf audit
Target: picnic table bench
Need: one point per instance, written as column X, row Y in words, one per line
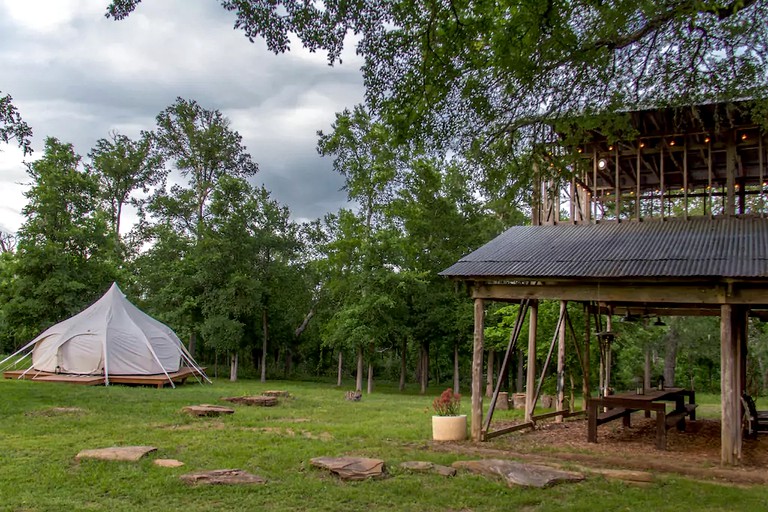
column 612, row 407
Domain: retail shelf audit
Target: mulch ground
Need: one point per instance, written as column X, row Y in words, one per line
column 694, row 453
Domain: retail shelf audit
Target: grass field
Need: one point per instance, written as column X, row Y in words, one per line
column 38, row 471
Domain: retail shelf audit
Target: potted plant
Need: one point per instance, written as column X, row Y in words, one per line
column 447, row 423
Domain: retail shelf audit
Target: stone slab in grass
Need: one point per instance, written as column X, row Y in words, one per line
column 168, row 463
column 222, row 477
column 259, row 400
column 124, row 453
column 56, row 411
column 351, row 468
column 207, row 410
column 519, row 474
column 625, row 475
column 420, row 466
column 276, row 392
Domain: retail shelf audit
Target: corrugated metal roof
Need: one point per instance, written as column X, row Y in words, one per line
column 727, row 247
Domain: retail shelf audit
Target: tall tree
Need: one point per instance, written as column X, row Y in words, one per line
column 364, row 156
column 63, row 260
column 203, row 148
column 123, row 166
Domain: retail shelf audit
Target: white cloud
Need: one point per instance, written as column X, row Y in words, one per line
column 76, row 75
column 45, row 16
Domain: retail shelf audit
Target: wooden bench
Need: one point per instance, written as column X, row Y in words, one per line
column 677, row 418
column 615, row 413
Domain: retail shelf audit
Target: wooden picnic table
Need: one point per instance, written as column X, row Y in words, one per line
column 611, row 407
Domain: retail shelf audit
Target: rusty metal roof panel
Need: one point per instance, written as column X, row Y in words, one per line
column 727, row 247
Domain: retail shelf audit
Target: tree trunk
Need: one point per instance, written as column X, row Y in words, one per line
column 403, row 362
column 520, row 372
column 424, row 368
column 192, row 343
column 265, row 332
column 359, row 376
column 489, row 375
column 670, row 357
column 456, row 368
column 338, row 380
column 233, row 367
column 370, row 378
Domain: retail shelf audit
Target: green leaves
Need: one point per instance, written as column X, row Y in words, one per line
column 12, row 126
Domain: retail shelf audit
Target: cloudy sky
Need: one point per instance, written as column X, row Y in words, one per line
column 76, row 76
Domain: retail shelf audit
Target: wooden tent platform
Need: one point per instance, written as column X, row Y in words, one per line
column 159, row 381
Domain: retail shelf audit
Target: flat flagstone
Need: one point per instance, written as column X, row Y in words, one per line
column 222, row 477
column 351, row 468
column 260, row 400
column 125, row 453
column 421, row 466
column 168, row 463
column 516, row 473
column 207, row 410
column 625, row 475
column 277, row 393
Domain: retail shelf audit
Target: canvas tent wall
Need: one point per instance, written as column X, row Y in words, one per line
column 110, row 337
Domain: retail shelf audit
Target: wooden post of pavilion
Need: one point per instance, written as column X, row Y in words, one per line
column 585, row 359
column 476, row 419
column 530, row 381
column 559, row 398
column 732, row 322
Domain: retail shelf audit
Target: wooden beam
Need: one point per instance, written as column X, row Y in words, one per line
column 477, row 372
column 661, row 293
column 507, row 430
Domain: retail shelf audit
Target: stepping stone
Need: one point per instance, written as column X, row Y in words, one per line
column 126, row 453
column 168, row 463
column 56, row 411
column 625, row 475
column 351, row 468
column 207, row 410
column 263, row 401
column 277, row 393
column 420, row 466
column 516, row 473
column 222, row 477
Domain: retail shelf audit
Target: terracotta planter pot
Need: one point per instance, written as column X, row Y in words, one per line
column 449, row 428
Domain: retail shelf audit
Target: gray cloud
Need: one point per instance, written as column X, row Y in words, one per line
column 75, row 75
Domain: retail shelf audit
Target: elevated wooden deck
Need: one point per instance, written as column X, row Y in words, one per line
column 159, row 381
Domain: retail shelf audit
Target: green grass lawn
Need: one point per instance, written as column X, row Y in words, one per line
column 38, row 471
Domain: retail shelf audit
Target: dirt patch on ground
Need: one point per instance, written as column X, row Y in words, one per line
column 694, row 453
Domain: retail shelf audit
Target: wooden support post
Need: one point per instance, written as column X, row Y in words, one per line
column 559, row 398
column 585, row 370
column 661, row 429
column 608, row 352
column 730, row 429
column 730, row 169
column 592, row 407
column 743, row 319
column 637, row 186
column 489, row 373
column 477, row 373
column 530, row 381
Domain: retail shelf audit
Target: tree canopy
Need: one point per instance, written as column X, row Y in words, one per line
column 495, row 75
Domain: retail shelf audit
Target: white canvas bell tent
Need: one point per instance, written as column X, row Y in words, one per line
column 110, row 337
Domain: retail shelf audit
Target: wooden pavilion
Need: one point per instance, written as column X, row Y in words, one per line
column 668, row 221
